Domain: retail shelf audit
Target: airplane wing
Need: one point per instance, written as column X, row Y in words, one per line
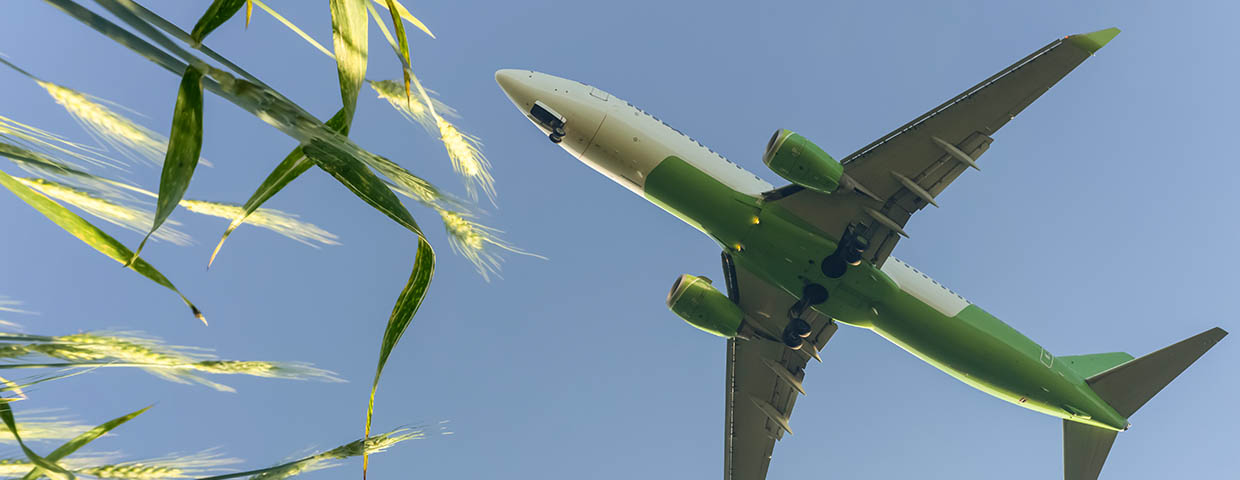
column 904, row 170
column 764, row 376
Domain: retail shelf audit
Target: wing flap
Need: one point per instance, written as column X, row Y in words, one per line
column 763, row 377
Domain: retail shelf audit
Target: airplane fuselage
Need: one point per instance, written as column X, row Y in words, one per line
column 724, row 201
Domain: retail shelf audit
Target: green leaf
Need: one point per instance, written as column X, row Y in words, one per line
column 403, row 45
column 404, row 13
column 93, row 236
column 78, row 441
column 218, row 13
column 350, row 39
column 184, row 145
column 402, row 315
column 360, row 180
column 289, row 169
column 42, row 465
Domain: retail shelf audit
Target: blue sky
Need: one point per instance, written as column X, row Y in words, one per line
column 1101, row 221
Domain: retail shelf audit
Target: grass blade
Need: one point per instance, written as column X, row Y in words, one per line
column 91, row 235
column 42, row 465
column 320, row 460
column 289, row 169
column 79, row 441
column 218, row 13
column 361, row 181
column 404, row 13
column 350, row 41
column 402, row 44
column 402, row 315
column 293, row 27
column 184, row 145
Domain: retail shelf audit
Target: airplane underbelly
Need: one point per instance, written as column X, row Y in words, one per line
column 976, row 349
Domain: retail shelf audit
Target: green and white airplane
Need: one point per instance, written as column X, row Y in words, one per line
column 800, row 258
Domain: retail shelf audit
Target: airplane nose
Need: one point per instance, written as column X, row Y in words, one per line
column 509, row 81
column 563, row 109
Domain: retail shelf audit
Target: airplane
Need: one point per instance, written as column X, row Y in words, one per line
column 800, row 259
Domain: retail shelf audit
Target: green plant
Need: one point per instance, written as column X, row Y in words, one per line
column 65, row 171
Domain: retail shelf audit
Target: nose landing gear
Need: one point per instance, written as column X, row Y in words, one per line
column 798, row 329
column 549, row 118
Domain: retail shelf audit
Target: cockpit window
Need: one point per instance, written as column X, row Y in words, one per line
column 546, row 116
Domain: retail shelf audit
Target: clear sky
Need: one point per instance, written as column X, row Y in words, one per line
column 1101, row 221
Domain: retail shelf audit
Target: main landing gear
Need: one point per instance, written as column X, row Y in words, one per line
column 798, row 329
column 848, row 253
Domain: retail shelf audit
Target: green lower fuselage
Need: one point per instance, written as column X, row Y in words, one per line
column 719, row 198
column 971, row 345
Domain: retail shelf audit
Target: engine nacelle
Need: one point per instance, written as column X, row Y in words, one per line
column 697, row 302
column 801, row 162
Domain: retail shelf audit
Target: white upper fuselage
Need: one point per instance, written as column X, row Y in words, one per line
column 614, row 137
column 625, row 143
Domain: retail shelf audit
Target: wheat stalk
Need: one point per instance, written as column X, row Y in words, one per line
column 473, row 241
column 172, row 466
column 113, row 128
column 412, row 108
column 124, row 216
column 175, row 363
column 20, row 133
column 44, row 428
column 277, row 221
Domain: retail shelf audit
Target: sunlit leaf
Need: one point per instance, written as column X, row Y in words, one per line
column 289, row 169
column 218, row 13
column 361, row 181
column 42, row 464
column 91, row 235
column 78, row 442
column 403, row 46
column 294, row 28
column 324, row 459
column 402, row 315
column 350, row 42
column 404, row 13
column 184, row 145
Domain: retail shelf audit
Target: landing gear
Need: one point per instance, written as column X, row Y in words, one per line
column 792, row 341
column 798, row 329
column 848, row 253
column 557, row 134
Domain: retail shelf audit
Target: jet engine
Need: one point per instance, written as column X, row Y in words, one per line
column 697, row 302
column 801, row 162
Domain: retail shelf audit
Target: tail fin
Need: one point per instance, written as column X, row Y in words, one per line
column 1128, row 386
column 1085, row 449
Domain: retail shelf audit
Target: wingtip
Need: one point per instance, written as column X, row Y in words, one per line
column 1093, row 41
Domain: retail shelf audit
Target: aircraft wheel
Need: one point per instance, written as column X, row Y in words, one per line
column 555, row 138
column 800, row 327
column 814, row 294
column 834, row 267
column 791, row 340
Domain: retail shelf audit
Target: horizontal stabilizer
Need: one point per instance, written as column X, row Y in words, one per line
column 1085, row 449
column 1089, row 365
column 1128, row 386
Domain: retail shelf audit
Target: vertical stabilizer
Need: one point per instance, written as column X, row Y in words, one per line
column 1128, row 386
column 1085, row 449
